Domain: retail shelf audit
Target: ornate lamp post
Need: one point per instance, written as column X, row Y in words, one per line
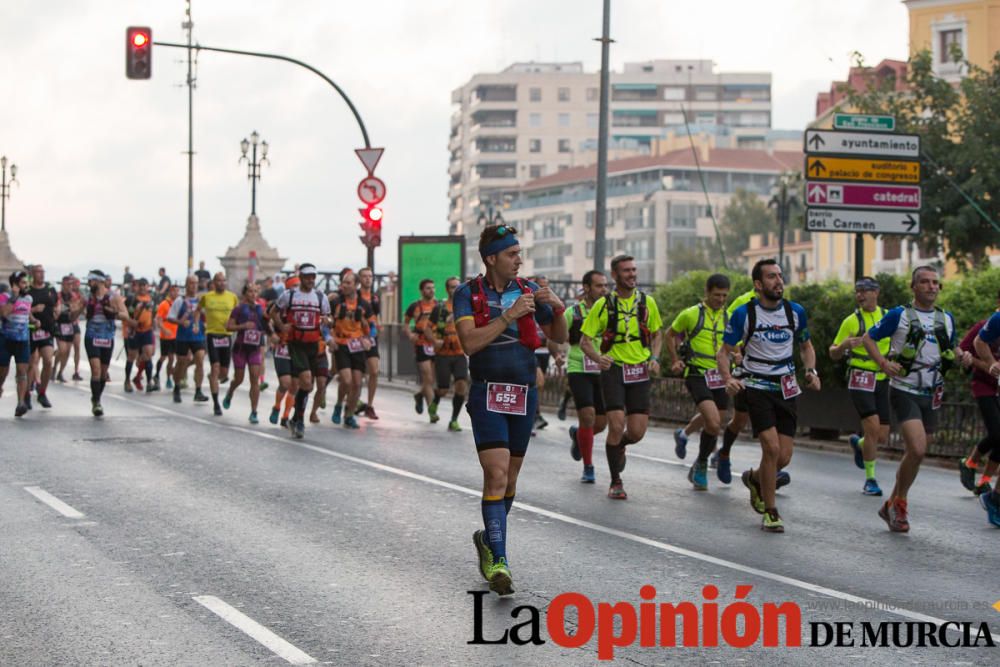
column 254, row 165
column 5, row 189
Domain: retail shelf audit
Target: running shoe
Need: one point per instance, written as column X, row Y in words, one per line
column 284, row 422
column 224, row 380
column 60, row 378
column 128, row 386
column 563, row 404
column 782, row 479
column 724, row 470
column 321, row 403
column 574, row 447
column 217, row 410
column 483, row 553
column 713, row 461
column 177, row 395
column 981, row 489
column 991, row 503
column 27, row 400
column 96, row 409
column 967, row 475
column 77, row 377
column 756, row 502
column 859, row 456
column 337, row 410
column 264, row 386
column 253, row 418
column 454, row 427
column 351, row 422
column 432, row 412
column 418, row 403
column 370, row 412
column 170, row 383
column 150, row 388
column 588, row 475
column 871, row 488
column 772, row 523
column 298, row 429
column 893, row 512
column 698, row 476
column 273, row 417
column 617, row 491
column 499, row 577
column 680, row 443
column 540, row 422
column 137, row 381
column 199, row 397
column 20, row 410
column 44, row 401
column 227, row 400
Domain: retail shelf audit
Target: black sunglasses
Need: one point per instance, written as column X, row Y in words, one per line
column 503, row 230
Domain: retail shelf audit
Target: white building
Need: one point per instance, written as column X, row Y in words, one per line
column 656, row 205
column 534, row 119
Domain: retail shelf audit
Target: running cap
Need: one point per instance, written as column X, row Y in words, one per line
column 96, row 274
column 866, row 283
column 307, row 270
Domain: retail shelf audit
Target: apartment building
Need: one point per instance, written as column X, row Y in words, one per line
column 534, row 120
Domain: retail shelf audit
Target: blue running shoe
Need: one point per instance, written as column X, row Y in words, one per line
column 351, row 422
column 871, row 488
column 783, row 479
column 859, row 458
column 991, row 503
column 574, row 448
column 253, row 418
column 724, row 470
column 698, row 476
column 273, row 417
column 680, row 443
column 335, row 417
column 588, row 475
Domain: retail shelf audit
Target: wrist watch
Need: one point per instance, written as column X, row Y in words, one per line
column 812, row 371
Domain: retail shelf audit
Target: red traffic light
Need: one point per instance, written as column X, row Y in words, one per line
column 138, row 52
column 375, row 214
column 140, row 39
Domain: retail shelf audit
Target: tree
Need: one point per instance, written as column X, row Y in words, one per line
column 959, row 129
column 746, row 214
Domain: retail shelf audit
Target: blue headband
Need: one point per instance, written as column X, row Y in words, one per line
column 499, row 245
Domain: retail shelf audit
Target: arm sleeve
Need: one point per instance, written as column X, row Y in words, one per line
column 736, row 327
column 887, row 325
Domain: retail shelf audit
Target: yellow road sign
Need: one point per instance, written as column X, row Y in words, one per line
column 862, row 169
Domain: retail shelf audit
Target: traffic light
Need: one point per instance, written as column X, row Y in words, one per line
column 372, row 226
column 138, row 52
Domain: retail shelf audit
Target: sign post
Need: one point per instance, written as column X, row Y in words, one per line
column 862, row 178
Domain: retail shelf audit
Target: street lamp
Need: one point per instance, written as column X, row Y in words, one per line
column 784, row 198
column 254, row 165
column 488, row 215
column 5, row 189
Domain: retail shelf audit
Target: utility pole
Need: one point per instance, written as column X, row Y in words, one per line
column 601, row 206
column 189, row 26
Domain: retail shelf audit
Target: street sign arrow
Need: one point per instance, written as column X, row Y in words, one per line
column 369, row 157
column 864, row 195
column 816, row 194
column 816, row 140
column 817, row 166
column 371, row 190
column 861, row 221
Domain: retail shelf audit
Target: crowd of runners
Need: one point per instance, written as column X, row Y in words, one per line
column 490, row 343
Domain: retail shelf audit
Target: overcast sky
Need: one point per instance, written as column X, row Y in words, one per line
column 100, row 158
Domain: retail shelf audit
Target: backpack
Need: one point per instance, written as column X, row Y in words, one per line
column 526, row 328
column 575, row 333
column 686, row 352
column 915, row 337
column 611, row 335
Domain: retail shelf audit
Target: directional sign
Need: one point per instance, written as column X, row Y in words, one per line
column 861, row 221
column 863, row 122
column 371, row 190
column 872, row 144
column 858, row 195
column 369, row 157
column 862, row 169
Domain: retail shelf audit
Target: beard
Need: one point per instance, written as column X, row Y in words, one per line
column 773, row 295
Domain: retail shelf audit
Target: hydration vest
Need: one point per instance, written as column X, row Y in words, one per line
column 104, row 303
column 611, row 335
column 752, row 328
column 576, row 326
column 687, row 352
column 916, row 336
column 527, row 330
column 304, row 318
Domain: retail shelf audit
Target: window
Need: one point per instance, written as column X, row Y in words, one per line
column 564, row 120
column 563, row 167
column 563, row 94
column 535, row 120
column 592, row 94
column 674, row 94
column 536, row 170
column 535, row 94
column 535, row 145
column 706, row 94
column 564, row 146
column 593, row 120
column 948, row 39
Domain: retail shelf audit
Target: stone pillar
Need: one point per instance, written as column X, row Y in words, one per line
column 236, row 261
column 9, row 263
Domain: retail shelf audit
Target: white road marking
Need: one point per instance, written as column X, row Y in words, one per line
column 255, row 630
column 54, row 502
column 564, row 518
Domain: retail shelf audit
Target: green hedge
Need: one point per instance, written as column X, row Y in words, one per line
column 970, row 298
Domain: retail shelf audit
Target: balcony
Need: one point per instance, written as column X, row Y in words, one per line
column 455, row 167
column 455, row 142
column 493, row 144
column 493, row 94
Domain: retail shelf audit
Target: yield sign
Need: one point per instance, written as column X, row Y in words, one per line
column 816, row 194
column 369, row 157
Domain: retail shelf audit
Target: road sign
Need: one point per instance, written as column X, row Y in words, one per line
column 861, row 221
column 371, row 190
column 862, row 169
column 369, row 157
column 863, row 122
column 871, row 144
column 859, row 195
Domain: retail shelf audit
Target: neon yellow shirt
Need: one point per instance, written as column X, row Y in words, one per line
column 217, row 308
column 859, row 355
column 705, row 345
column 630, row 350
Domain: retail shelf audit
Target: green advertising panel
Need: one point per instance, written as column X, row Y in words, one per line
column 434, row 257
